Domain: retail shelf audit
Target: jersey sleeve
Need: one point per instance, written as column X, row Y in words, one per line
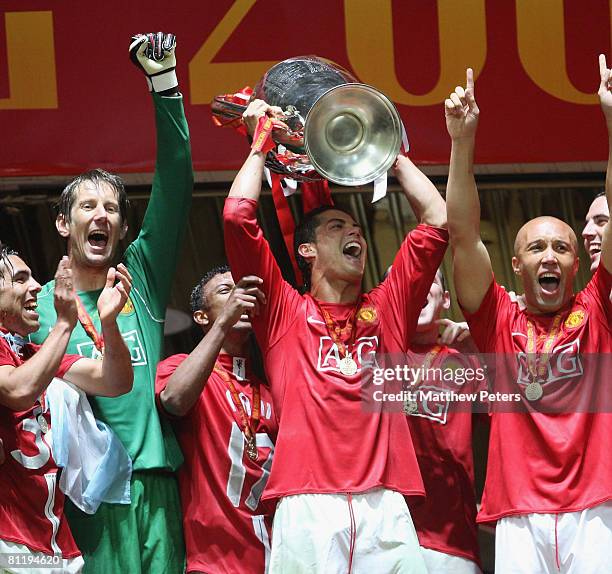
column 596, row 294
column 165, row 370
column 484, row 321
column 7, row 357
column 402, row 294
column 66, row 363
column 154, row 253
column 249, row 253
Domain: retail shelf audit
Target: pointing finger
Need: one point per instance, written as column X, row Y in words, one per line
column 603, row 68
column 471, row 102
column 604, row 74
column 469, row 80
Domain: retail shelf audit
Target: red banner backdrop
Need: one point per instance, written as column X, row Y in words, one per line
column 70, row 99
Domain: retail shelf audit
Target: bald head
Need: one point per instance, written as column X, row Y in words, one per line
column 544, row 227
column 546, row 260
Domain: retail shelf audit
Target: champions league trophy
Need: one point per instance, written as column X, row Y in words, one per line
column 337, row 129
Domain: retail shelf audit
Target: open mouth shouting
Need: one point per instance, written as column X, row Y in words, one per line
column 353, row 250
column 98, row 239
column 549, row 282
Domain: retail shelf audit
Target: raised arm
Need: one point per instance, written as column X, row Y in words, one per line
column 189, row 379
column 471, row 263
column 605, row 98
column 247, row 250
column 156, row 250
column 21, row 386
column 424, row 199
column 113, row 375
column 247, row 184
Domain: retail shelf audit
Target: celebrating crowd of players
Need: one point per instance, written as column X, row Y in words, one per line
column 293, row 474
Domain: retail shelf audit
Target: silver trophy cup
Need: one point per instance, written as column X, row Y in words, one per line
column 339, row 129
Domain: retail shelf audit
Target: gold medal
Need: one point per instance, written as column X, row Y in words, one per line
column 410, row 407
column 42, row 423
column 348, row 366
column 534, row 391
column 251, row 447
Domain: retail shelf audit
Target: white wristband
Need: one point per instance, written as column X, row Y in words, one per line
column 164, row 81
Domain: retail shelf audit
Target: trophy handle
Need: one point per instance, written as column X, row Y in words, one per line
column 226, row 111
column 229, row 113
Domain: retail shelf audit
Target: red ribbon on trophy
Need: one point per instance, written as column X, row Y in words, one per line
column 227, row 109
column 262, row 138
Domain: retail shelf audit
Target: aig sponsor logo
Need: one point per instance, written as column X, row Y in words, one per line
column 363, row 353
column 432, row 403
column 564, row 363
column 132, row 342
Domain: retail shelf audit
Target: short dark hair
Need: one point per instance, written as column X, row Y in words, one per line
column 306, row 232
column 197, row 301
column 95, row 176
column 442, row 278
column 5, row 252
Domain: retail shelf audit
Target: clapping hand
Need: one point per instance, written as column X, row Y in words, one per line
column 115, row 294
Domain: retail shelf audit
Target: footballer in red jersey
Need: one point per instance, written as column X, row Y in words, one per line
column 331, row 450
column 226, row 426
column 595, row 222
column 549, row 476
column 441, row 432
column 31, row 505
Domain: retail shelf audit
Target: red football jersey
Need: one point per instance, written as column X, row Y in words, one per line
column 441, row 432
column 548, row 462
column 227, row 528
column 31, row 503
column 329, row 440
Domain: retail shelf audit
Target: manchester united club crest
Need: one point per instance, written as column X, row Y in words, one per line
column 128, row 307
column 367, row 314
column 575, row 319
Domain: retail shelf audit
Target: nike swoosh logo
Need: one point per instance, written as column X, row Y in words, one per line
column 312, row 319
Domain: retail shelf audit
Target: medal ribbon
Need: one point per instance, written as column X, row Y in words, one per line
column 88, row 326
column 249, row 426
column 537, row 368
column 334, row 330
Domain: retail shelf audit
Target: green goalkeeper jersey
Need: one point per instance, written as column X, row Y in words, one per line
column 151, row 259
